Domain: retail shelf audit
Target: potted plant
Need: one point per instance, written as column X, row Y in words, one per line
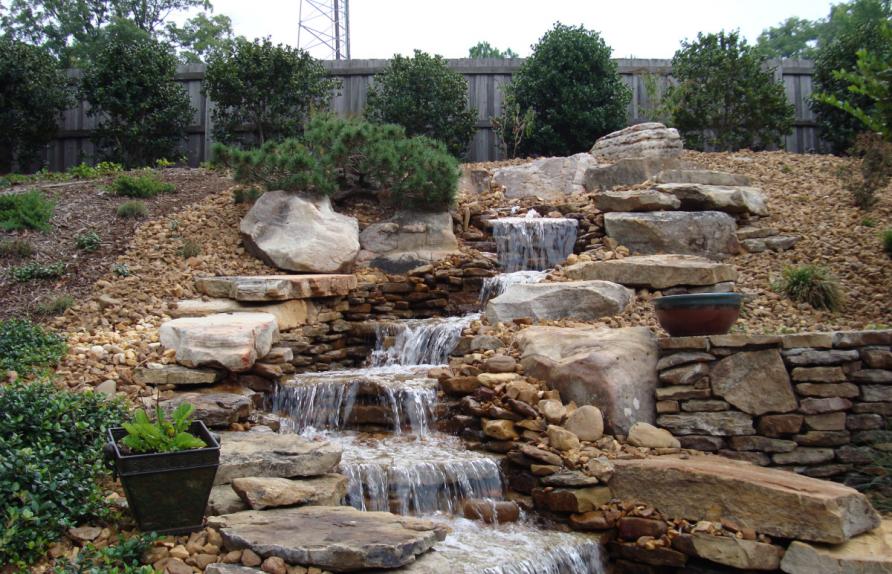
column 698, row 313
column 167, row 469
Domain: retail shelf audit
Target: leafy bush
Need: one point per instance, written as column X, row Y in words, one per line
column 887, row 241
column 571, row 89
column 88, row 241
column 28, row 210
column 33, row 94
column 161, row 435
column 27, row 348
column 121, row 558
column 871, row 171
column 425, row 97
column 813, row 285
column 351, row 155
column 132, row 209
column 16, row 248
column 129, row 83
column 35, row 270
column 725, row 98
column 140, row 185
column 263, row 91
column 50, row 460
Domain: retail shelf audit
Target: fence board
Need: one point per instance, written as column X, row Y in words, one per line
column 486, row 80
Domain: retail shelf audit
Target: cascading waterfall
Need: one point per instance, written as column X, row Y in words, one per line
column 419, row 341
column 533, row 242
column 495, row 286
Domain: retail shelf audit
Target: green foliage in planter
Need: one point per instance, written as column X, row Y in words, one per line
column 725, row 99
column 50, row 461
column 351, row 155
column 145, row 185
column 264, row 91
column 813, row 285
column 571, row 90
column 27, row 348
column 88, row 241
column 121, row 558
column 35, row 270
column 887, row 241
column 162, row 435
column 424, row 96
column 132, row 209
column 28, row 210
column 17, row 248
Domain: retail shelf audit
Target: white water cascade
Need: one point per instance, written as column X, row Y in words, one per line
column 533, row 242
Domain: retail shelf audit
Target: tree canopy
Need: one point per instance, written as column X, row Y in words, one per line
column 485, row 50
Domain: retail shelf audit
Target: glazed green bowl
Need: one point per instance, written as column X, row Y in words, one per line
column 698, row 314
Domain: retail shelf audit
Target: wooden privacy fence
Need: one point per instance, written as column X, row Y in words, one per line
column 647, row 79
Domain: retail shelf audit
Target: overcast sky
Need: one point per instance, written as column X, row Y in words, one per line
column 633, row 28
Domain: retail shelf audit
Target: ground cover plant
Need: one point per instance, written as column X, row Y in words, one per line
column 141, row 185
column 27, row 210
column 16, row 248
column 132, row 209
column 125, row 557
column 35, row 270
column 813, row 285
column 27, row 348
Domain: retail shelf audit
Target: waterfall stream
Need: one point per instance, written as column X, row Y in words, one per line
column 533, row 242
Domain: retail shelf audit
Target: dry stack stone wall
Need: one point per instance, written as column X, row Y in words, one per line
column 814, row 403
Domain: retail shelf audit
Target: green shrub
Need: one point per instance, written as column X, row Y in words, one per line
column 725, row 99
column 351, row 155
column 125, row 557
column 571, row 89
column 54, row 305
column 263, row 91
column 35, row 270
column 50, row 460
column 813, row 285
column 121, row 270
column 88, row 241
column 424, row 96
column 189, row 248
column 141, row 185
column 28, row 210
column 887, row 241
column 246, row 195
column 27, row 348
column 33, row 94
column 132, row 209
column 101, row 169
column 142, row 112
column 871, row 171
column 16, row 248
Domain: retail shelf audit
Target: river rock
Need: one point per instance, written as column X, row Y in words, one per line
column 868, row 553
column 562, row 439
column 340, row 539
column 270, row 492
column 755, row 382
column 636, row 200
column 586, row 422
column 737, row 552
column 770, row 501
column 224, row 500
column 649, row 139
column 654, row 271
column 701, row 176
column 296, row 233
column 262, row 288
column 274, row 455
column 579, row 300
column 613, row 369
column 500, row 429
column 707, row 233
column 647, row 435
column 408, row 240
column 175, row 375
column 233, row 341
column 700, row 197
column 546, row 178
column 626, row 171
column 491, row 511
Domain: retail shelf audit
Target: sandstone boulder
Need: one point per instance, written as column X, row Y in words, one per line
column 636, row 200
column 300, row 234
column 700, row 197
column 261, row 288
column 652, row 140
column 175, row 375
column 613, row 369
column 647, row 435
column 586, row 422
column 288, row 314
column 274, row 455
column 233, row 341
column 547, row 178
column 737, row 552
column 261, row 492
column 580, row 300
column 215, row 409
column 707, row 233
column 654, row 271
column 701, row 176
column 408, row 240
column 626, row 171
column 755, row 382
column 770, row 501
column 868, row 553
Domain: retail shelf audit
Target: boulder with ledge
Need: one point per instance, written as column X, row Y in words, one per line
column 233, row 341
column 649, row 140
column 546, row 178
column 655, row 271
column 702, row 197
column 709, row 234
column 408, row 240
column 579, row 300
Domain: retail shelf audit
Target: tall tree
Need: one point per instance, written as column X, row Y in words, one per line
column 486, row 50
column 200, row 36
column 792, row 38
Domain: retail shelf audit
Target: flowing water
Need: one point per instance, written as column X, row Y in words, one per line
column 533, row 242
column 495, row 286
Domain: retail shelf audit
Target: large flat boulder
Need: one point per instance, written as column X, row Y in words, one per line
column 296, row 233
column 336, row 538
column 868, row 553
column 260, row 492
column 274, row 455
column 612, row 369
column 707, row 233
column 156, row 374
column 636, row 200
column 770, row 501
column 703, row 176
column 408, row 240
column 233, row 341
column 654, row 271
column 289, row 314
column 627, row 171
column 580, row 300
column 702, row 197
column 650, row 140
column 260, row 288
column 546, row 178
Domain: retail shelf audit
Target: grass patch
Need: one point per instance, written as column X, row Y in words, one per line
column 132, row 209
column 190, row 248
column 29, row 210
column 16, row 249
column 88, row 241
column 35, row 270
column 54, row 305
column 142, row 186
column 813, row 285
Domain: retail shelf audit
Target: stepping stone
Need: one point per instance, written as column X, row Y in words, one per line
column 655, row 271
column 336, row 538
column 770, row 501
column 276, row 287
column 175, row 375
column 636, row 200
column 233, row 341
column 260, row 492
column 579, row 300
column 700, row 197
column 289, row 314
column 274, row 455
column 868, row 553
column 705, row 233
column 701, row 176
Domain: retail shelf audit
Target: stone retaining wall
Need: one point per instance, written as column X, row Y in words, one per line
column 814, row 403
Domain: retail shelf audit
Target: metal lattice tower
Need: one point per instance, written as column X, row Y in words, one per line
column 324, row 28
